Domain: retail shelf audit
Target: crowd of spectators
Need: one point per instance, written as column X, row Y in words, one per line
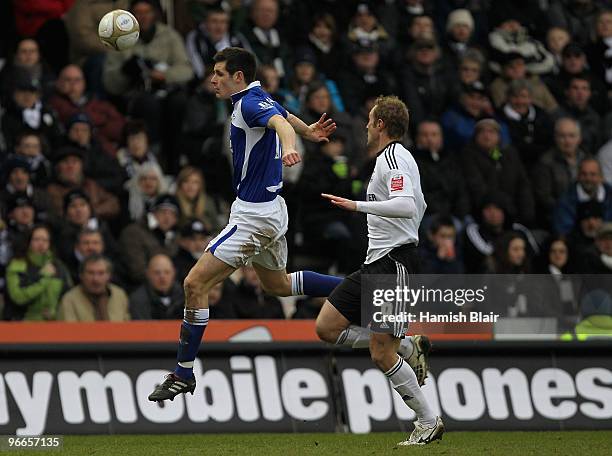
column 116, row 167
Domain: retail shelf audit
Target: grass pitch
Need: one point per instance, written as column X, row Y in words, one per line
column 590, row 443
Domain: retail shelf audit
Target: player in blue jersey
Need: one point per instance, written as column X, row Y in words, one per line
column 262, row 138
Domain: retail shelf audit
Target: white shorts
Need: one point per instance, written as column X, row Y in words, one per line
column 255, row 233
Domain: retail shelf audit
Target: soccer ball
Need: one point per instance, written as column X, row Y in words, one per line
column 119, row 30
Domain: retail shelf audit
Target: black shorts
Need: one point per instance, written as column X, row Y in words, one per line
column 347, row 296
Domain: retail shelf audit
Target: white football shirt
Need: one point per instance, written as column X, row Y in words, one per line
column 395, row 174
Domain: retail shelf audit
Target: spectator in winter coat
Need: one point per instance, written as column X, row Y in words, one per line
column 491, row 168
column 71, row 97
column 161, row 297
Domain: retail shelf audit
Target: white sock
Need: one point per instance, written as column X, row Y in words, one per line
column 354, row 336
column 406, row 347
column 404, row 381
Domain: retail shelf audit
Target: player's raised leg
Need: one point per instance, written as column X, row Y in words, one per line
column 279, row 283
column 206, row 273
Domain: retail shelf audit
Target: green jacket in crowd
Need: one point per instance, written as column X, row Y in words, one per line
column 28, row 286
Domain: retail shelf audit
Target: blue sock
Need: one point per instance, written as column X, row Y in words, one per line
column 313, row 284
column 192, row 330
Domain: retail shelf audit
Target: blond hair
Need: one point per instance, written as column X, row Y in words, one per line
column 394, row 113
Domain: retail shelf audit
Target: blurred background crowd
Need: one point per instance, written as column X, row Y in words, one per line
column 116, row 167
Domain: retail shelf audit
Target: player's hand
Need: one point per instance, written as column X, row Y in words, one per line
column 321, row 129
column 340, row 202
column 291, row 157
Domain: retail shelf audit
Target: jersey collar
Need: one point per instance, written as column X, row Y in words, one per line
column 385, row 148
column 238, row 95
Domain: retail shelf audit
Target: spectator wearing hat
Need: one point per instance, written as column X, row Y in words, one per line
column 29, row 146
column 211, row 35
column 599, row 53
column 19, row 217
column 17, row 180
column 161, row 297
column 510, row 36
column 589, row 186
column 459, row 37
column 26, row 109
column 557, row 168
column 71, row 97
column 262, row 36
column 479, row 236
column 574, row 63
column 155, row 233
column 192, row 241
column 458, row 121
column 513, row 68
column 530, row 126
column 490, row 167
column 95, row 298
column 416, row 15
column 577, row 105
column 589, row 220
column 69, row 176
column 97, row 164
column 151, row 77
column 443, row 187
column 364, row 78
column 35, row 279
column 303, row 75
column 79, row 215
column 364, row 26
column 425, row 85
column 578, row 17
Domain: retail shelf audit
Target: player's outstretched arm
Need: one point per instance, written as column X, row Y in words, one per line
column 286, row 135
column 398, row 207
column 315, row 132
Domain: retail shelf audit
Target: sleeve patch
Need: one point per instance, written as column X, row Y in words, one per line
column 397, row 184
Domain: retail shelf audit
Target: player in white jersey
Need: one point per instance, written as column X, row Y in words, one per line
column 395, row 206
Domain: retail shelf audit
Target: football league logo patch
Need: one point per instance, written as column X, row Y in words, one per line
column 397, row 183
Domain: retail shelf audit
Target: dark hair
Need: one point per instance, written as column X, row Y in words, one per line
column 133, row 127
column 23, row 245
column 94, row 258
column 394, row 113
column 543, row 260
column 238, row 59
column 581, row 77
column 500, row 254
column 439, row 221
column 86, row 231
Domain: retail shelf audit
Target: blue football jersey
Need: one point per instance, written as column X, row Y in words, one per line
column 256, row 149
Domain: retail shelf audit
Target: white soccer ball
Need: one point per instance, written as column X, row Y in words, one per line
column 119, row 30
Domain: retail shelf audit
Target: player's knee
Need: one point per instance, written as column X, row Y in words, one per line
column 326, row 333
column 281, row 287
column 195, row 284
